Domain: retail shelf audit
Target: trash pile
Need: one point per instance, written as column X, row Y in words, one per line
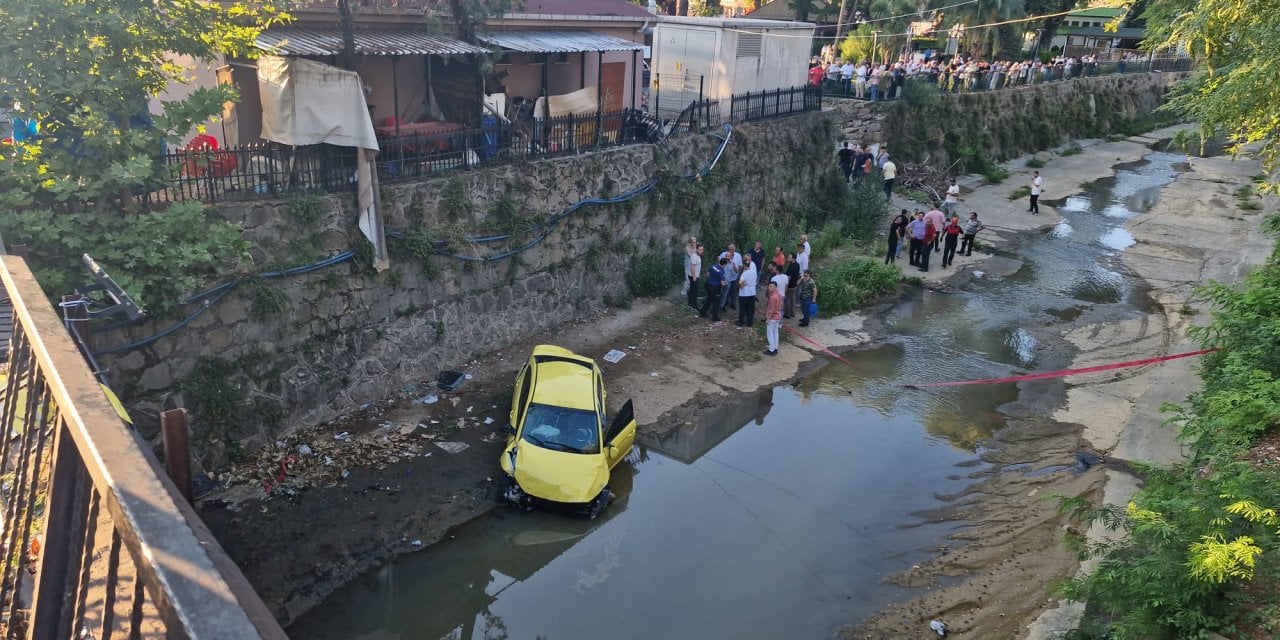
column 372, row 438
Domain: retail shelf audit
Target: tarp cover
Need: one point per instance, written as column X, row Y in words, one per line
column 306, row 102
column 579, row 102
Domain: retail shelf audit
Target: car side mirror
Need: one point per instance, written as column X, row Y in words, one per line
column 508, row 429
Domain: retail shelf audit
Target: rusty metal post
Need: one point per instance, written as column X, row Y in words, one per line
column 176, row 439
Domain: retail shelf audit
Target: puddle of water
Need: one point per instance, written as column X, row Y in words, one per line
column 792, row 504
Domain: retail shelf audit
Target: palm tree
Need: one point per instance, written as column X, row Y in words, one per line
column 988, row 40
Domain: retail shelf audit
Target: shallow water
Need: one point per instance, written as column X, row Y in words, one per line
column 778, row 514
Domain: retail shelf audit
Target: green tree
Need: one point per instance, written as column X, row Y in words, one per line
column 85, row 70
column 1236, row 92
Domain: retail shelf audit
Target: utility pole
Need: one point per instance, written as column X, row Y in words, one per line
column 840, row 22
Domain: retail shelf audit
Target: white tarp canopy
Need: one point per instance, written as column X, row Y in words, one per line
column 306, row 102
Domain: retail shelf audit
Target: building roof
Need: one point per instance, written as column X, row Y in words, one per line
column 550, row 41
column 736, row 23
column 389, row 41
column 584, row 8
column 1098, row 12
column 1128, row 33
column 598, row 9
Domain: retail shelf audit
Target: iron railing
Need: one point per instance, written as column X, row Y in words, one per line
column 270, row 169
column 97, row 543
column 978, row 81
column 771, row 104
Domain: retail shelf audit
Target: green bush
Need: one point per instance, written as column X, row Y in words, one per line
column 1072, row 150
column 1036, row 163
column 866, row 208
column 994, row 174
column 651, row 274
column 1020, row 193
column 853, row 282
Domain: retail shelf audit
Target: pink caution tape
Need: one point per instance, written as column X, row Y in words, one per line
column 819, row 345
column 1064, row 372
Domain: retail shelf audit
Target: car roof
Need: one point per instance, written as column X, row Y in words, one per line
column 564, row 379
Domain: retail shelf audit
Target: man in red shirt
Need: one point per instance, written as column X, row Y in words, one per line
column 815, row 75
column 773, row 319
column 950, row 237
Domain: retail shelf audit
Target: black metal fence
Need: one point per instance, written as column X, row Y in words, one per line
column 771, row 104
column 270, row 169
column 97, row 543
column 995, row 80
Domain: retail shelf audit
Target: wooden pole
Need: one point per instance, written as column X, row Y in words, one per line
column 176, row 438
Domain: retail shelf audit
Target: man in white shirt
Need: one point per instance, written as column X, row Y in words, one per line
column 695, row 271
column 862, row 80
column 804, row 240
column 890, row 171
column 746, row 293
column 802, row 255
column 952, row 199
column 1035, row 193
column 846, row 76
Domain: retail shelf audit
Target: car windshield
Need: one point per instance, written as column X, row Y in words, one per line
column 562, row 429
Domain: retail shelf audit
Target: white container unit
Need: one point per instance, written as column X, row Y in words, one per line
column 717, row 58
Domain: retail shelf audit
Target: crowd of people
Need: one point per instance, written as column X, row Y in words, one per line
column 885, row 81
column 737, row 280
column 929, row 233
column 857, row 163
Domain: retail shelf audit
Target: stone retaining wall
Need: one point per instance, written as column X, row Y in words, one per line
column 283, row 353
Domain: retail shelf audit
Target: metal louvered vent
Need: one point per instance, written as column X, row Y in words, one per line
column 749, row 45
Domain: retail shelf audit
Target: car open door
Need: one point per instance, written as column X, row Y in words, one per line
column 621, row 435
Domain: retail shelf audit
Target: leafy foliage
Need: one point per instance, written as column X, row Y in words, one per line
column 85, row 71
column 1237, row 90
column 651, row 274
column 850, row 283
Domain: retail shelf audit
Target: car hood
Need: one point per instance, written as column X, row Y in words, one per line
column 560, row 476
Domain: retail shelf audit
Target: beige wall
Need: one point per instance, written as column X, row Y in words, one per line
column 198, row 74
column 410, row 75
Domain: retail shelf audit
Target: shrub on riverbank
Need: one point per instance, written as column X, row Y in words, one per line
column 652, row 274
column 850, row 283
column 1204, row 536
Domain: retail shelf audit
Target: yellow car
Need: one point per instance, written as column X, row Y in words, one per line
column 559, row 451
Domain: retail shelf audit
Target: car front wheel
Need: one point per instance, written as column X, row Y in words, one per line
column 596, row 506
